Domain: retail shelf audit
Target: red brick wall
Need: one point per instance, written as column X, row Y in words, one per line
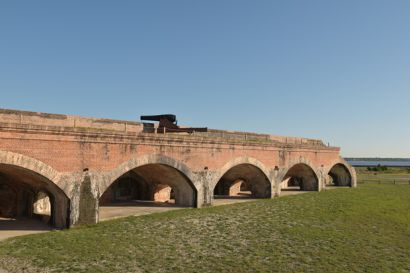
column 72, row 143
column 67, row 153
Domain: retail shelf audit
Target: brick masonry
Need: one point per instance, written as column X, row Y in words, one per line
column 68, row 151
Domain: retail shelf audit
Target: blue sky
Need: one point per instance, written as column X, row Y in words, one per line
column 335, row 70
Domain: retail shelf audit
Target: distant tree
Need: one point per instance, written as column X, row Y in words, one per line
column 378, row 168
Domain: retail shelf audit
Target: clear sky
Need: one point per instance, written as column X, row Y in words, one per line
column 335, row 70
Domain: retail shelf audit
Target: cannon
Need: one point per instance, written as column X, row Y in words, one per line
column 168, row 123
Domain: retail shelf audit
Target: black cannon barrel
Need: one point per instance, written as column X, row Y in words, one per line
column 170, row 117
column 186, row 130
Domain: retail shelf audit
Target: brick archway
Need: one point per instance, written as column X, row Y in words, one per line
column 350, row 171
column 31, row 164
column 187, row 189
column 32, row 175
column 249, row 170
column 300, row 169
column 239, row 161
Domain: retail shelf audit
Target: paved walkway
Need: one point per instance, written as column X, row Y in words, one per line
column 136, row 208
column 331, row 187
column 226, row 200
column 22, row 226
column 229, row 200
column 286, row 192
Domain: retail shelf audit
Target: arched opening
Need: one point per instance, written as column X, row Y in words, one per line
column 339, row 176
column 243, row 181
column 29, row 200
column 155, row 186
column 300, row 177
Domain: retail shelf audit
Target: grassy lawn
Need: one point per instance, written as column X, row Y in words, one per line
column 345, row 230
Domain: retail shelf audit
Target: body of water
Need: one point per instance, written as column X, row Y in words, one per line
column 359, row 163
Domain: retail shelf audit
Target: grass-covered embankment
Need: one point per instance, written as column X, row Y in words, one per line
column 345, row 230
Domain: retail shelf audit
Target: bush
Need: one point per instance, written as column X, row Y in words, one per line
column 378, row 168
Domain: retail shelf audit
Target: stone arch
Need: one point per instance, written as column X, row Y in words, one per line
column 30, row 176
column 341, row 173
column 238, row 161
column 31, row 164
column 187, row 190
column 302, row 173
column 245, row 170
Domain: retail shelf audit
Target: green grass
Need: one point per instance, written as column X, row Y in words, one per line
column 398, row 175
column 345, row 230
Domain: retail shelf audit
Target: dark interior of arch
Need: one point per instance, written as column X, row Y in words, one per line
column 25, row 194
column 242, row 180
column 152, row 182
column 301, row 176
column 340, row 176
